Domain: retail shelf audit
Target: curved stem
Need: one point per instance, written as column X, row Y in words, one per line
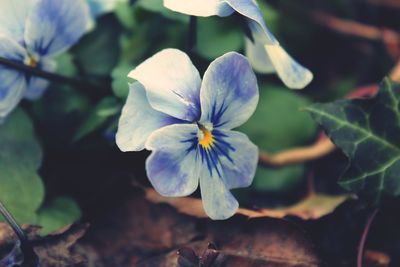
column 364, row 237
column 13, row 223
column 54, row 77
column 192, row 34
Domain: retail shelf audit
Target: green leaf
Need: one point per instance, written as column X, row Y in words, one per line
column 107, row 108
column 368, row 132
column 125, row 15
column 66, row 65
column 58, row 213
column 120, row 80
column 158, row 7
column 276, row 125
column 21, row 189
column 98, row 52
column 216, row 37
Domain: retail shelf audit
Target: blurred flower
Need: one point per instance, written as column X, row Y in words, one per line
column 33, row 32
column 188, row 123
column 100, row 7
column 263, row 51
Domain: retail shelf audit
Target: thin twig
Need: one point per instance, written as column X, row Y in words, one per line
column 311, row 183
column 13, row 223
column 322, row 147
column 364, row 237
column 354, row 28
column 386, row 3
column 298, row 155
column 54, row 77
column 395, row 73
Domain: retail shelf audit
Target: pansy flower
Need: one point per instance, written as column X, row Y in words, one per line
column 187, row 124
column 263, row 51
column 32, row 32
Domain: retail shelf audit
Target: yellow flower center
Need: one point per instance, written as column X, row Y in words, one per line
column 206, row 139
column 31, row 61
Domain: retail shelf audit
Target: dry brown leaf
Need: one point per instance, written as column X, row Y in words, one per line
column 142, row 233
column 312, row 207
column 376, row 259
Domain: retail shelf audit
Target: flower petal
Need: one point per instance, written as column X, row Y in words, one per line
column 274, row 59
column 53, row 26
column 291, row 73
column 240, row 162
column 37, row 85
column 138, row 120
column 173, row 167
column 201, row 8
column 229, row 93
column 172, row 84
column 218, row 201
column 258, row 58
column 13, row 14
column 250, row 10
column 12, row 88
column 10, row 49
column 13, row 83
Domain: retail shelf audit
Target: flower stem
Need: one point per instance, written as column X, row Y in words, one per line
column 13, row 223
column 192, row 35
column 54, row 77
column 364, row 237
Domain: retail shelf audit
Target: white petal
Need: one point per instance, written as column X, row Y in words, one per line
column 173, row 167
column 229, row 93
column 201, row 8
column 12, row 88
column 259, row 60
column 53, row 26
column 172, row 84
column 218, row 202
column 37, row 85
column 293, row 75
column 138, row 120
column 13, row 14
column 250, row 10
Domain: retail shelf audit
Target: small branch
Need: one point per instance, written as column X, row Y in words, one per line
column 354, row 28
column 192, row 35
column 364, row 237
column 54, row 77
column 386, row 3
column 13, row 223
column 298, row 155
column 395, row 73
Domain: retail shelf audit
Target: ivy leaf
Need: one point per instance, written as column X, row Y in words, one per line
column 21, row 189
column 368, row 132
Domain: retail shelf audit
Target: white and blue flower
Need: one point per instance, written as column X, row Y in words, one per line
column 264, row 51
column 187, row 124
column 32, row 32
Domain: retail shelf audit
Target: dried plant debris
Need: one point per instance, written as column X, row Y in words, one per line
column 141, row 233
column 54, row 250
